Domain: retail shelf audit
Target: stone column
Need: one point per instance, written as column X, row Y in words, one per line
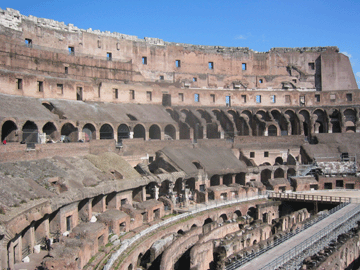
column 143, row 193
column 156, row 192
column 131, row 135
column 221, row 179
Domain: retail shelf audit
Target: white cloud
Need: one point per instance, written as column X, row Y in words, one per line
column 347, row 54
column 358, row 74
column 240, row 37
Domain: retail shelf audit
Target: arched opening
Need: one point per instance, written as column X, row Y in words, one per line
column 227, row 180
column 178, row 186
column 165, row 188
column 123, row 132
column 154, row 132
column 237, row 214
column 279, row 161
column 50, row 130
column 335, row 120
column 106, row 132
column 252, row 212
column 30, row 132
column 240, row 178
column 212, row 131
column 207, row 221
column 89, row 132
column 304, row 116
column 139, row 131
column 291, row 172
column 184, row 131
column 8, row 131
column 350, row 120
column 152, row 190
column 272, row 130
column 279, row 173
column 170, row 132
column 215, row 180
column 180, row 232
column 130, row 267
column 69, row 133
column 223, row 218
column 265, row 176
column 294, row 122
column 190, row 184
column 291, row 160
column 320, row 123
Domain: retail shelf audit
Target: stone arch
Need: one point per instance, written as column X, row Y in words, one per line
column 50, row 130
column 265, row 176
column 70, row 133
column 154, row 132
column 130, row 267
column 170, row 131
column 252, row 212
column 225, row 123
column 215, row 180
column 30, row 132
column 9, row 131
column 272, row 130
column 123, row 132
column 184, row 130
column 281, row 121
column 306, row 122
column 223, row 218
column 291, row 172
column 139, row 131
column 350, row 120
column 212, row 131
column 279, row 173
column 279, row 161
column 106, row 132
column 178, row 187
column 165, row 188
column 237, row 214
column 190, row 183
column 207, row 221
column 320, row 121
column 89, row 132
column 294, row 122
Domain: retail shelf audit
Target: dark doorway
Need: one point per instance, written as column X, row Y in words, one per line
column 166, row 100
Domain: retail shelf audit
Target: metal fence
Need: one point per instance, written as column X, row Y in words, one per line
column 315, row 243
column 313, row 198
column 286, row 237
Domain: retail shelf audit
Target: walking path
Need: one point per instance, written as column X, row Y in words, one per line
column 281, row 249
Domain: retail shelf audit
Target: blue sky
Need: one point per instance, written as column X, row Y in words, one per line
column 257, row 24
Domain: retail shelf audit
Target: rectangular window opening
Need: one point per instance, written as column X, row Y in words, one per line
column 252, row 154
column 212, row 98
column 266, row 154
column 161, row 77
column 287, row 99
column 332, row 97
column 28, row 42
column 243, row 66
column 317, row 98
column 211, row 65
column 348, row 97
column 19, row 83
column 149, row 96
column 258, row 98
column 115, row 93
column 228, row 101
column 273, row 99
column 109, row 56
column 132, row 94
column 181, row 97
column 144, row 60
column 243, row 98
column 302, row 100
column 260, row 80
column 194, row 79
column 60, row 89
column 197, row 97
column 71, row 50
column 312, row 66
column 66, row 70
column 79, row 93
column 177, row 63
column 40, row 86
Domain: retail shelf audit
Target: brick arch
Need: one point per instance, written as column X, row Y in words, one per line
column 9, row 131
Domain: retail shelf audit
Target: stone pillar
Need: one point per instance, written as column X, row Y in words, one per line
column 156, row 192
column 143, row 193
column 221, row 179
column 186, row 197
column 266, row 131
column 131, row 135
column 233, row 178
column 177, row 135
column 47, row 227
column 32, row 238
column 205, row 132
column 162, row 135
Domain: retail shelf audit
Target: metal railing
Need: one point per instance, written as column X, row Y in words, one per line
column 213, row 204
column 284, row 238
column 317, row 198
column 317, row 241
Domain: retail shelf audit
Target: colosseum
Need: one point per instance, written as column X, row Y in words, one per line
column 127, row 153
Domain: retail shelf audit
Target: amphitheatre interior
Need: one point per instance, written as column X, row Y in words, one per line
column 128, row 153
